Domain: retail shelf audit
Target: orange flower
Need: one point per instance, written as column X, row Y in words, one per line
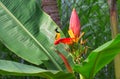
column 64, row 40
column 74, row 31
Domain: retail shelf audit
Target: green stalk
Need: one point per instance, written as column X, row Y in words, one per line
column 114, row 30
column 82, row 77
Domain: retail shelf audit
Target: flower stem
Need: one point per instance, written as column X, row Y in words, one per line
column 82, row 77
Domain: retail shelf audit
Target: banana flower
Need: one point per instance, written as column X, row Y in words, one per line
column 74, row 30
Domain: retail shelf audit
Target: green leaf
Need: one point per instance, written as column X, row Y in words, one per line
column 26, row 30
column 14, row 68
column 17, row 38
column 99, row 58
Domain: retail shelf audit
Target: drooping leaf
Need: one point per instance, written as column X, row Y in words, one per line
column 27, row 31
column 14, row 68
column 99, row 58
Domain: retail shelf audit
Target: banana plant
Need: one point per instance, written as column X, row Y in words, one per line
column 29, row 33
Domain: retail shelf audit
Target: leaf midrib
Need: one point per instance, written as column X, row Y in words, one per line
column 93, row 68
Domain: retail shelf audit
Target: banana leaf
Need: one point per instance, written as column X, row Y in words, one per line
column 98, row 58
column 29, row 32
column 18, row 69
